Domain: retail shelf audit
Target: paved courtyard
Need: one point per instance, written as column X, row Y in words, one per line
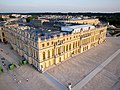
column 23, row 77
column 107, row 79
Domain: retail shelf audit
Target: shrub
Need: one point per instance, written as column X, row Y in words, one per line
column 24, row 62
column 21, row 62
column 11, row 66
column 1, row 69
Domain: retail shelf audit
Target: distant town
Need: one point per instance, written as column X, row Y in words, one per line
column 61, row 49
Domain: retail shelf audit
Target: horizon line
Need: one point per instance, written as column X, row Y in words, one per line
column 61, row 12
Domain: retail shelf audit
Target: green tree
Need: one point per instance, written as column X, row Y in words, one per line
column 1, row 19
column 29, row 19
column 12, row 16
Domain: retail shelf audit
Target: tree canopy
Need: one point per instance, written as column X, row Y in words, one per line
column 1, row 19
column 29, row 19
column 12, row 16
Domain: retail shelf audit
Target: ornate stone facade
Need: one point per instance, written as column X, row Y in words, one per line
column 44, row 53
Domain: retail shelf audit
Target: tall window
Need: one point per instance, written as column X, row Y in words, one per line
column 66, row 47
column 48, row 54
column 3, row 34
column 59, row 51
column 59, row 59
column 37, row 55
column 52, row 52
column 76, row 43
column 63, row 48
column 73, row 45
column 70, row 47
column 43, row 55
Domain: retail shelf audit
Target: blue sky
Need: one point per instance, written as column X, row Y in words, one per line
column 59, row 5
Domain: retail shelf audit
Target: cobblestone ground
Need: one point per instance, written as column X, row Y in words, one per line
column 76, row 68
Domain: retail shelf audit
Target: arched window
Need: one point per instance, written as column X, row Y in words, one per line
column 70, row 47
column 83, row 48
column 37, row 55
column 48, row 54
column 3, row 34
column 73, row 45
column 59, row 51
column 66, row 47
column 79, row 50
column 63, row 48
column 48, row 44
column 59, row 59
column 52, row 52
column 76, row 43
column 43, row 55
column 4, row 40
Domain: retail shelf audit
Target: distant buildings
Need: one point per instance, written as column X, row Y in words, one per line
column 77, row 28
column 84, row 21
column 44, row 48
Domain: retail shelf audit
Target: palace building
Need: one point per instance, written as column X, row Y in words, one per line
column 44, row 48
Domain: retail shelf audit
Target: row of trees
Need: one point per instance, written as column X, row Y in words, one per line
column 32, row 17
column 27, row 19
column 113, row 20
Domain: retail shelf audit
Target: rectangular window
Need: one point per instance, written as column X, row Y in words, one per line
column 43, row 45
column 48, row 44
